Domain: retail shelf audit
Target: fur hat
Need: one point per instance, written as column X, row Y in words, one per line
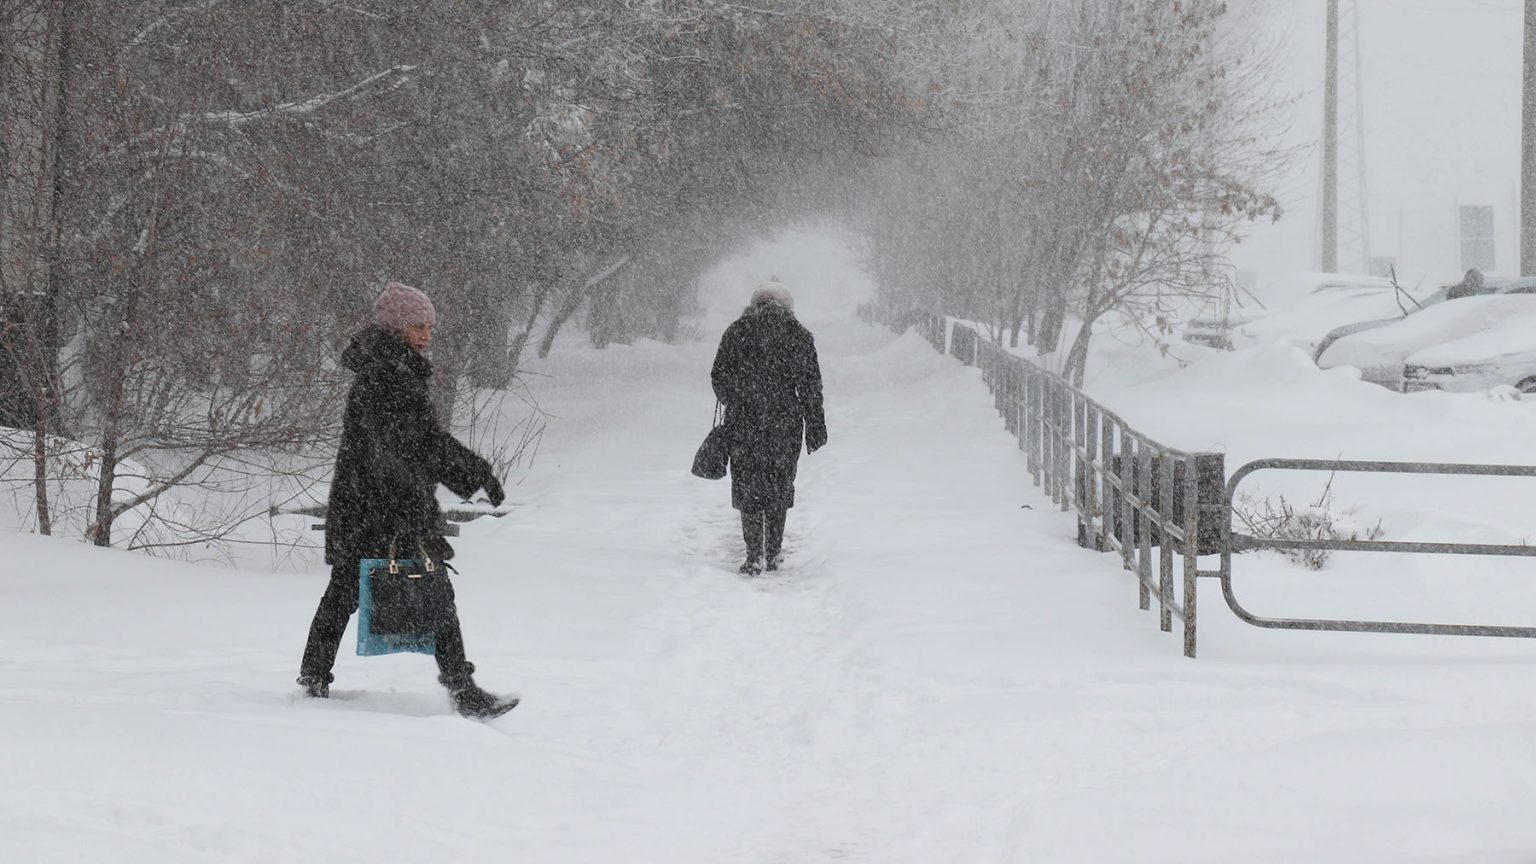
column 400, row 306
column 773, row 292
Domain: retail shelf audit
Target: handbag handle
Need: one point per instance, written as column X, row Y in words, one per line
column 394, row 565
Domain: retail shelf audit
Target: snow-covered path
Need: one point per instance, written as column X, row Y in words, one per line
column 938, row 675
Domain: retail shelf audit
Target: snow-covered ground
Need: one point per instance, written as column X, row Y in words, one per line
column 938, row 675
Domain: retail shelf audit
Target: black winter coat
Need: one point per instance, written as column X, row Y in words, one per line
column 769, row 380
column 393, row 454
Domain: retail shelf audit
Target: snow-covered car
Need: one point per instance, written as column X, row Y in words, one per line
column 1466, row 288
column 1384, row 367
column 1365, row 292
column 1298, row 308
column 1504, row 355
column 1471, row 328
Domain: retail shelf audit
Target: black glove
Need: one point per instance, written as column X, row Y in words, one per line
column 493, row 491
column 815, row 438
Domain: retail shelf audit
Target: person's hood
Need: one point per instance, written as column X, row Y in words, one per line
column 373, row 347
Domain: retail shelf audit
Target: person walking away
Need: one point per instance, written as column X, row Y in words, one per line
column 393, row 454
column 767, row 376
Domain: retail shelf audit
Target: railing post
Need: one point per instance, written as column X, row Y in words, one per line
column 1127, row 514
column 1042, row 431
column 1048, row 435
column 1054, row 437
column 1013, row 403
column 1050, row 439
column 1143, row 527
column 1029, row 425
column 1043, row 428
column 1191, row 548
column 1000, row 374
column 1106, row 468
column 1053, row 393
column 1165, row 545
column 1088, row 508
column 1068, row 449
column 1058, row 441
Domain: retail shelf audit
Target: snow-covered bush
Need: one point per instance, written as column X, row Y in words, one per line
column 1279, row 519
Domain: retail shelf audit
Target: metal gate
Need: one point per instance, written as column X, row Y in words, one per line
column 1236, row 542
column 1132, row 493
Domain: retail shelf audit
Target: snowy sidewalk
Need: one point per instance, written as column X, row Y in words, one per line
column 938, row 675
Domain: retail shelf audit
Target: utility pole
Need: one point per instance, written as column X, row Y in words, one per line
column 1330, row 202
column 1528, row 149
column 1355, row 221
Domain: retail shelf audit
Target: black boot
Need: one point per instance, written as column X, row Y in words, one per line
column 752, row 566
column 470, row 701
column 316, row 686
column 773, row 530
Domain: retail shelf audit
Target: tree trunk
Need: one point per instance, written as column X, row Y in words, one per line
column 519, row 344
column 40, row 475
column 603, row 325
column 24, row 128
column 1048, row 336
column 567, row 309
column 573, row 300
column 32, row 67
column 100, row 531
column 488, row 366
column 1077, row 358
column 46, row 386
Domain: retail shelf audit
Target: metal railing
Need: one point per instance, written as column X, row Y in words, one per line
column 447, row 526
column 932, row 327
column 1130, row 492
column 1233, row 542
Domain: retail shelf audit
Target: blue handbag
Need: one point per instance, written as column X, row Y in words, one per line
column 400, row 603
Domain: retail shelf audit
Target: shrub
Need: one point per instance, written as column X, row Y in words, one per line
column 1279, row 519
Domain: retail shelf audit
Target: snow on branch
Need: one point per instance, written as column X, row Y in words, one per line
column 173, row 135
column 607, row 272
column 304, row 106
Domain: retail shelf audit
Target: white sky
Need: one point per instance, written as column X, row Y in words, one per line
column 1441, row 81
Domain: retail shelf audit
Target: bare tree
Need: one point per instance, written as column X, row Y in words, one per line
column 188, row 244
column 1102, row 161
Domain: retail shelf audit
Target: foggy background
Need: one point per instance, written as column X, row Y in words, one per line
column 1441, row 84
column 818, row 262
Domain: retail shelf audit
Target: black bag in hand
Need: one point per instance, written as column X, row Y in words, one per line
column 402, row 602
column 714, row 455
column 407, row 598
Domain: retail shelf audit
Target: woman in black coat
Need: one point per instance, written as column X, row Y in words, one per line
column 383, row 498
column 767, row 376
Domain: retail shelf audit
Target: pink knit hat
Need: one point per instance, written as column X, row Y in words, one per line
column 773, row 292
column 400, row 306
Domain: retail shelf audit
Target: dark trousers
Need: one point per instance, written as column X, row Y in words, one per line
column 763, row 530
column 336, row 607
